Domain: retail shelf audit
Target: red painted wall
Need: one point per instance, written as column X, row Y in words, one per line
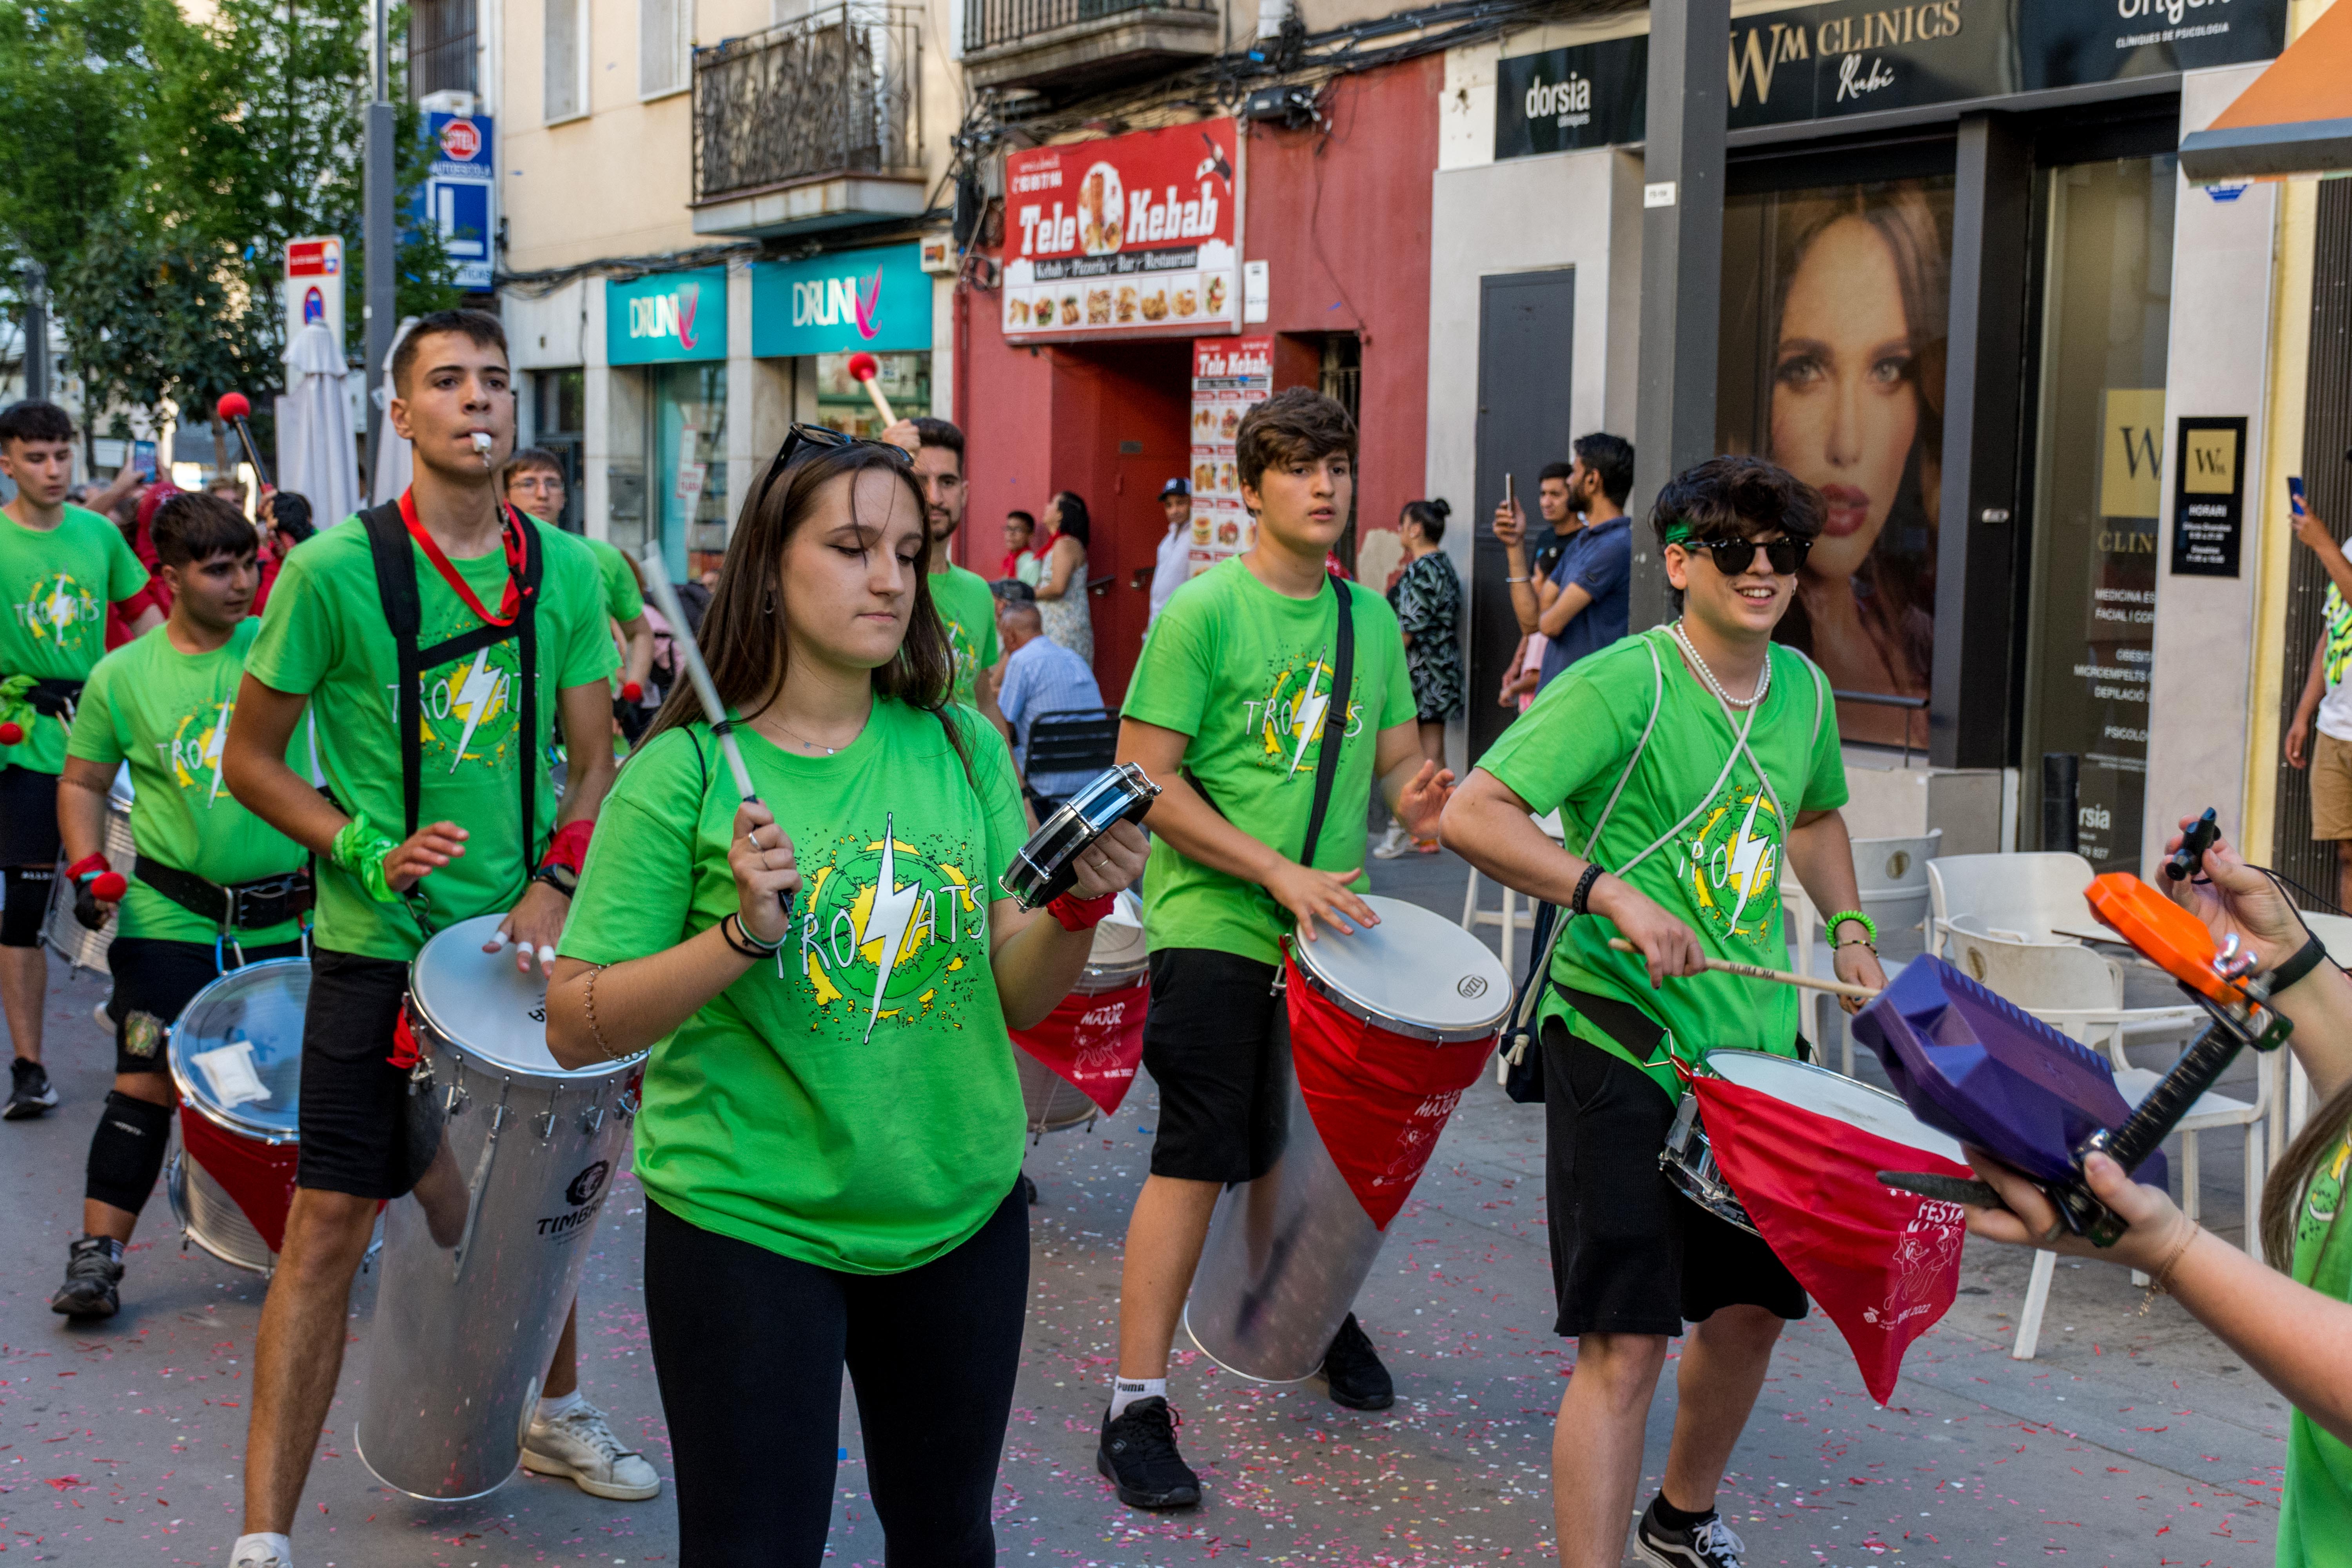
column 1342, row 220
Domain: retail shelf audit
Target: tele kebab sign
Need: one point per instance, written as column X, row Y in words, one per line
column 1123, row 235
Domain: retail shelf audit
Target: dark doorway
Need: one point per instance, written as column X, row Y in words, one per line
column 1526, row 329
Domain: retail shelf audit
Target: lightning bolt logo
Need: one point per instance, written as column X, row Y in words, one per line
column 213, row 749
column 887, row 918
column 1311, row 708
column 1748, row 857
column 475, row 695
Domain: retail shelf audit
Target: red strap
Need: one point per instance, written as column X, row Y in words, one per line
column 87, row 863
column 510, row 533
column 403, row 1044
column 1081, row 914
column 569, row 847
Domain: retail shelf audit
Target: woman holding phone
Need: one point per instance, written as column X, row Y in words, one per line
column 2291, row 1321
column 832, row 1128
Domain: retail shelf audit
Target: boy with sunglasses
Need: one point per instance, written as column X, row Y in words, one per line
column 1686, row 763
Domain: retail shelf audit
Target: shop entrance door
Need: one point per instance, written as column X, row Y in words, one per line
column 1526, row 324
column 2098, row 459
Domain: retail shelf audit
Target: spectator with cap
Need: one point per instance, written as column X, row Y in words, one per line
column 1175, row 548
column 1040, row 677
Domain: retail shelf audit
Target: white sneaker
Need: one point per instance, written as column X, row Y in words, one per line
column 579, row 1446
column 1394, row 844
column 261, row 1551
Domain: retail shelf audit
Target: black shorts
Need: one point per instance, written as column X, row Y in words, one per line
column 1217, row 1042
column 29, row 817
column 154, row 979
column 1629, row 1253
column 354, row 1108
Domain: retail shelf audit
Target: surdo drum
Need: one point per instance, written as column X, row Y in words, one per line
column 1386, row 1029
column 1689, row 1160
column 483, row 1258
column 1101, row 1013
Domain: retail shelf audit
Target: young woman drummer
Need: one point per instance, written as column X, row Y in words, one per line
column 832, row 1127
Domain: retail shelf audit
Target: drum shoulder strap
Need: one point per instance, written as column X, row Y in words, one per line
column 1326, row 758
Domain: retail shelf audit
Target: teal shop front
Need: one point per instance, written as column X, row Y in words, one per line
column 819, row 311
column 666, row 337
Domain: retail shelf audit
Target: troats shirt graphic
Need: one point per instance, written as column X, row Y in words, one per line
column 56, row 584
column 1248, row 674
column 324, row 637
column 1720, row 832
column 2334, row 716
column 851, row 1102
column 166, row 714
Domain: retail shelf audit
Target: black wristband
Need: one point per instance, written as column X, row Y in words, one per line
column 1593, row 874
column 745, row 943
column 2307, row 957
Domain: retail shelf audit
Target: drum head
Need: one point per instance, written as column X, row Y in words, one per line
column 237, row 1051
column 483, row 1005
column 1121, row 952
column 1416, row 973
column 1833, row 1094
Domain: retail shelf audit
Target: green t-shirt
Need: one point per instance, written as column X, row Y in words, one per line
column 968, row 609
column 323, row 636
column 2315, row 1510
column 166, row 712
column 849, row 1115
column 1246, row 672
column 1720, row 871
column 57, row 584
column 624, row 600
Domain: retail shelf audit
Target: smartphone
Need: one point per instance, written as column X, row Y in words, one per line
column 142, row 457
column 1510, row 492
column 2295, row 494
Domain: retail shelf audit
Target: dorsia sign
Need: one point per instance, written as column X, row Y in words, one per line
column 1125, row 235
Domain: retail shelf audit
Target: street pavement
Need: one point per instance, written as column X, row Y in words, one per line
column 2130, row 1440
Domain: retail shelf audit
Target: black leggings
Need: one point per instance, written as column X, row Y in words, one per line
column 749, row 1346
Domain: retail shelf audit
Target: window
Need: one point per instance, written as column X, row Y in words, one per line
column 565, row 92
column 441, row 47
column 665, row 45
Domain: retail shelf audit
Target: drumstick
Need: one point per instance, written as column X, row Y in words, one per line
column 1779, row 976
column 867, row 370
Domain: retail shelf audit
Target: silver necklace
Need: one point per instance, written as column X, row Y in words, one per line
column 1763, row 681
column 820, row 746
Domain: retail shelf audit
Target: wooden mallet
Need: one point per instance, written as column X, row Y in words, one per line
column 1779, row 976
column 867, row 370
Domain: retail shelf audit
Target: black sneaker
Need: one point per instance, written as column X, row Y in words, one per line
column 29, row 1094
column 1709, row 1543
column 91, row 1278
column 1353, row 1369
column 1138, row 1458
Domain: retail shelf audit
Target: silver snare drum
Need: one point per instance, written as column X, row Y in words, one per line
column 1688, row 1159
column 75, row 943
column 235, row 1056
column 482, row 1259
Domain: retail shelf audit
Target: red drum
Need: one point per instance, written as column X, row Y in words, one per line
column 1078, row 1063
column 236, row 1057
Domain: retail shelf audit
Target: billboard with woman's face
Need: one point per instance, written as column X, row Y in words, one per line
column 1833, row 365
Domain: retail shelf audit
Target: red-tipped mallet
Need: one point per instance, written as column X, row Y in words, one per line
column 233, row 409
column 867, row 370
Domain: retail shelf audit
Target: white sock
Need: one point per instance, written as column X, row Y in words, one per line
column 548, row 1409
column 1126, row 1391
column 261, row 1547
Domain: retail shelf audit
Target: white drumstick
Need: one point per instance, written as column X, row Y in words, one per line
column 690, row 652
column 1779, row 976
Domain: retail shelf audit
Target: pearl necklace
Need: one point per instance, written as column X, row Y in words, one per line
column 1763, row 681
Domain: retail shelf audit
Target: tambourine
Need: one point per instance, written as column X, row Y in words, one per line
column 1044, row 867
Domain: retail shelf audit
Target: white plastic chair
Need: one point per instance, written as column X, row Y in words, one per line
column 2052, row 980
column 1518, row 912
column 2031, row 897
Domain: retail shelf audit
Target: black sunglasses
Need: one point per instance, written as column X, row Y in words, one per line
column 806, row 440
column 1734, row 556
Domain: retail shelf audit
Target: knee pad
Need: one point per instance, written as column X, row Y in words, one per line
column 126, row 1152
column 26, row 904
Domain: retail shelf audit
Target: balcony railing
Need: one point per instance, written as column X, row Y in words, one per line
column 831, row 92
column 990, row 24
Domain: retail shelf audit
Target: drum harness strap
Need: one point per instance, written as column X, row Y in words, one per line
column 1607, row 1011
column 390, row 541
column 233, row 907
column 1326, row 758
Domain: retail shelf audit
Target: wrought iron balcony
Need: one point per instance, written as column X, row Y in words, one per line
column 826, row 99
column 1047, row 43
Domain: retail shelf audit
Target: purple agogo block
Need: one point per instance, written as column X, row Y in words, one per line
column 1970, row 1063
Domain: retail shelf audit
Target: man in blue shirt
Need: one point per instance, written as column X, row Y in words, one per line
column 1040, row 677
column 1584, row 605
